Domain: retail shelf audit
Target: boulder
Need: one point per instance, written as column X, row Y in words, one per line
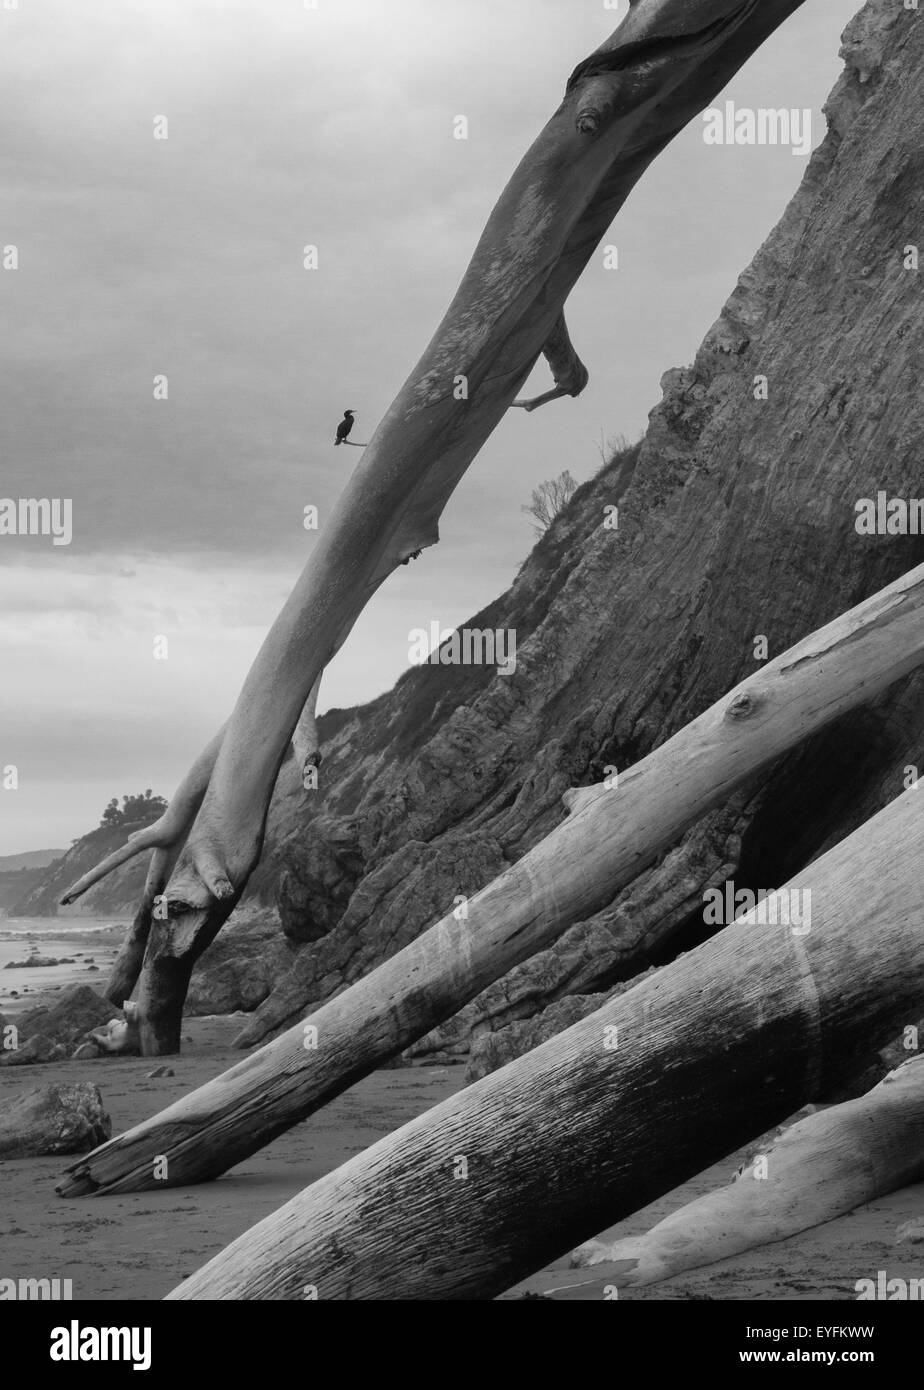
column 67, row 1020
column 37, row 1048
column 54, row 1120
column 240, row 968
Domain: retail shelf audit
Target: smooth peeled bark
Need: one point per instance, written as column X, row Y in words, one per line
column 822, row 1167
column 640, row 1096
column 622, row 106
column 611, row 834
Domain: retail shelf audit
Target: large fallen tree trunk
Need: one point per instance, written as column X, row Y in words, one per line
column 612, row 833
column 622, row 106
column 638, row 1097
column 821, row 1167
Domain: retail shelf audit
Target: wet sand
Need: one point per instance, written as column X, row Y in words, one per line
column 141, row 1246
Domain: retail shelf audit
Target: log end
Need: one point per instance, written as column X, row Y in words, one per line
column 76, row 1183
column 596, row 1253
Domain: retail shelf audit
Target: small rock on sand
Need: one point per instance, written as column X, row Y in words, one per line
column 37, row 1048
column 35, row 961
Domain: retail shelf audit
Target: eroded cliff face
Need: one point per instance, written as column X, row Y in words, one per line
column 736, row 520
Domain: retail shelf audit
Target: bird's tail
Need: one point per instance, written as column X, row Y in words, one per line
column 337, row 441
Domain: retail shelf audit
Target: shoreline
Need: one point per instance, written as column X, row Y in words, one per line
column 90, row 946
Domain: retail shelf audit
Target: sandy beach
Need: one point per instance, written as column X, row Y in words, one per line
column 141, row 1246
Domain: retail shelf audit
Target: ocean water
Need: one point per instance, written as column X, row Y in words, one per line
column 85, row 941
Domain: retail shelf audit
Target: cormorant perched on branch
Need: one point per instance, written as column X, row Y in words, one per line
column 343, row 429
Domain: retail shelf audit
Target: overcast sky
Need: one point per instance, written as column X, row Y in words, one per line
column 138, row 257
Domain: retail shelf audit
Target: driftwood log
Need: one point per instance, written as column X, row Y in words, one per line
column 622, row 106
column 821, row 1167
column 653, row 1088
column 609, row 837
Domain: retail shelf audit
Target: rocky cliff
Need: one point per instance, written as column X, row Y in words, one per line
column 17, row 884
column 21, row 873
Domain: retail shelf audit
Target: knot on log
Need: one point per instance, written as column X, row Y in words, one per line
column 742, row 707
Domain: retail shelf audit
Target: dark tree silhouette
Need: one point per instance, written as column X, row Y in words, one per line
column 548, row 499
column 143, row 807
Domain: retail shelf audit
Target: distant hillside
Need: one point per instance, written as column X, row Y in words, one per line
column 16, row 885
column 33, row 859
column 36, row 892
column 20, row 873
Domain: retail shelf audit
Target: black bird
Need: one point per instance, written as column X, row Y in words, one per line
column 343, row 429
